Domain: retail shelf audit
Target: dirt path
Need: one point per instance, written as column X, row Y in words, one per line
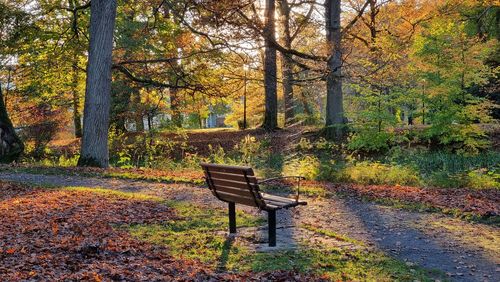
column 465, row 251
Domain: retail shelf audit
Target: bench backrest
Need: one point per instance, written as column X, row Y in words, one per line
column 236, row 184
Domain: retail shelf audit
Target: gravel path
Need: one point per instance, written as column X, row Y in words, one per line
column 465, row 251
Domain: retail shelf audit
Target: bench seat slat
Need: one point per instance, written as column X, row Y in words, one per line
column 233, row 190
column 228, row 168
column 238, row 185
column 232, row 177
column 280, row 202
column 277, row 198
column 236, row 199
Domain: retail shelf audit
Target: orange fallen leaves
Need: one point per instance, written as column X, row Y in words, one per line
column 60, row 235
column 480, row 202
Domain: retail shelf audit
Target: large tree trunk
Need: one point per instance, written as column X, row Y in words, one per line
column 287, row 63
column 11, row 147
column 94, row 150
column 270, row 87
column 334, row 125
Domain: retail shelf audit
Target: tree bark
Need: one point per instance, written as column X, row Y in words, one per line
column 287, row 63
column 174, row 107
column 77, row 121
column 138, row 114
column 334, row 126
column 94, row 149
column 11, row 147
column 270, row 87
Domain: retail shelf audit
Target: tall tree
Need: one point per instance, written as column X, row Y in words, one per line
column 286, row 62
column 334, row 100
column 270, row 69
column 94, row 148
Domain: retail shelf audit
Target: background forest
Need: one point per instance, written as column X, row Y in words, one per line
column 401, row 87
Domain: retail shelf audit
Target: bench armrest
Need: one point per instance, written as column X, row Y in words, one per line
column 299, row 178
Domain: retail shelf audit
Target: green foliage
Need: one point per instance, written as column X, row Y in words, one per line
column 430, row 162
column 370, row 141
column 483, row 179
column 307, row 166
column 249, row 148
column 217, row 155
column 450, row 62
column 149, row 150
column 377, row 173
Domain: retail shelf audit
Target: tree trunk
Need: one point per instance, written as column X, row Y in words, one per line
column 138, row 114
column 94, row 149
column 174, row 107
column 334, row 126
column 11, row 147
column 77, row 121
column 270, row 87
column 287, row 63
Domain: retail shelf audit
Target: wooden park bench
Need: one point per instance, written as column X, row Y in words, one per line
column 239, row 185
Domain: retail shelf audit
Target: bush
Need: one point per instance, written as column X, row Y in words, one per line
column 307, row 166
column 370, row 141
column 145, row 150
column 428, row 163
column 483, row 179
column 249, row 149
column 378, row 173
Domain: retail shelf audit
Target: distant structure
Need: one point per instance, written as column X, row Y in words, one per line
column 215, row 120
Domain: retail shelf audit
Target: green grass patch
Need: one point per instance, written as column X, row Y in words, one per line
column 163, row 179
column 341, row 265
column 200, row 234
column 331, row 234
column 115, row 193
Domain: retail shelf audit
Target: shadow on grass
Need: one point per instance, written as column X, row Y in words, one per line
column 224, row 257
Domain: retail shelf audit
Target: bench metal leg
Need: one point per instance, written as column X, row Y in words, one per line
column 232, row 218
column 272, row 228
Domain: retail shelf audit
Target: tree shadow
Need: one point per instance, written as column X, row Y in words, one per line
column 394, row 232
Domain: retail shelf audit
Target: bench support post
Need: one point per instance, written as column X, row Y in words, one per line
column 232, row 218
column 272, row 227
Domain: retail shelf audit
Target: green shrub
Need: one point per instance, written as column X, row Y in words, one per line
column 217, row 155
column 483, row 179
column 431, row 162
column 445, row 179
column 249, row 148
column 378, row 173
column 370, row 141
column 307, row 166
